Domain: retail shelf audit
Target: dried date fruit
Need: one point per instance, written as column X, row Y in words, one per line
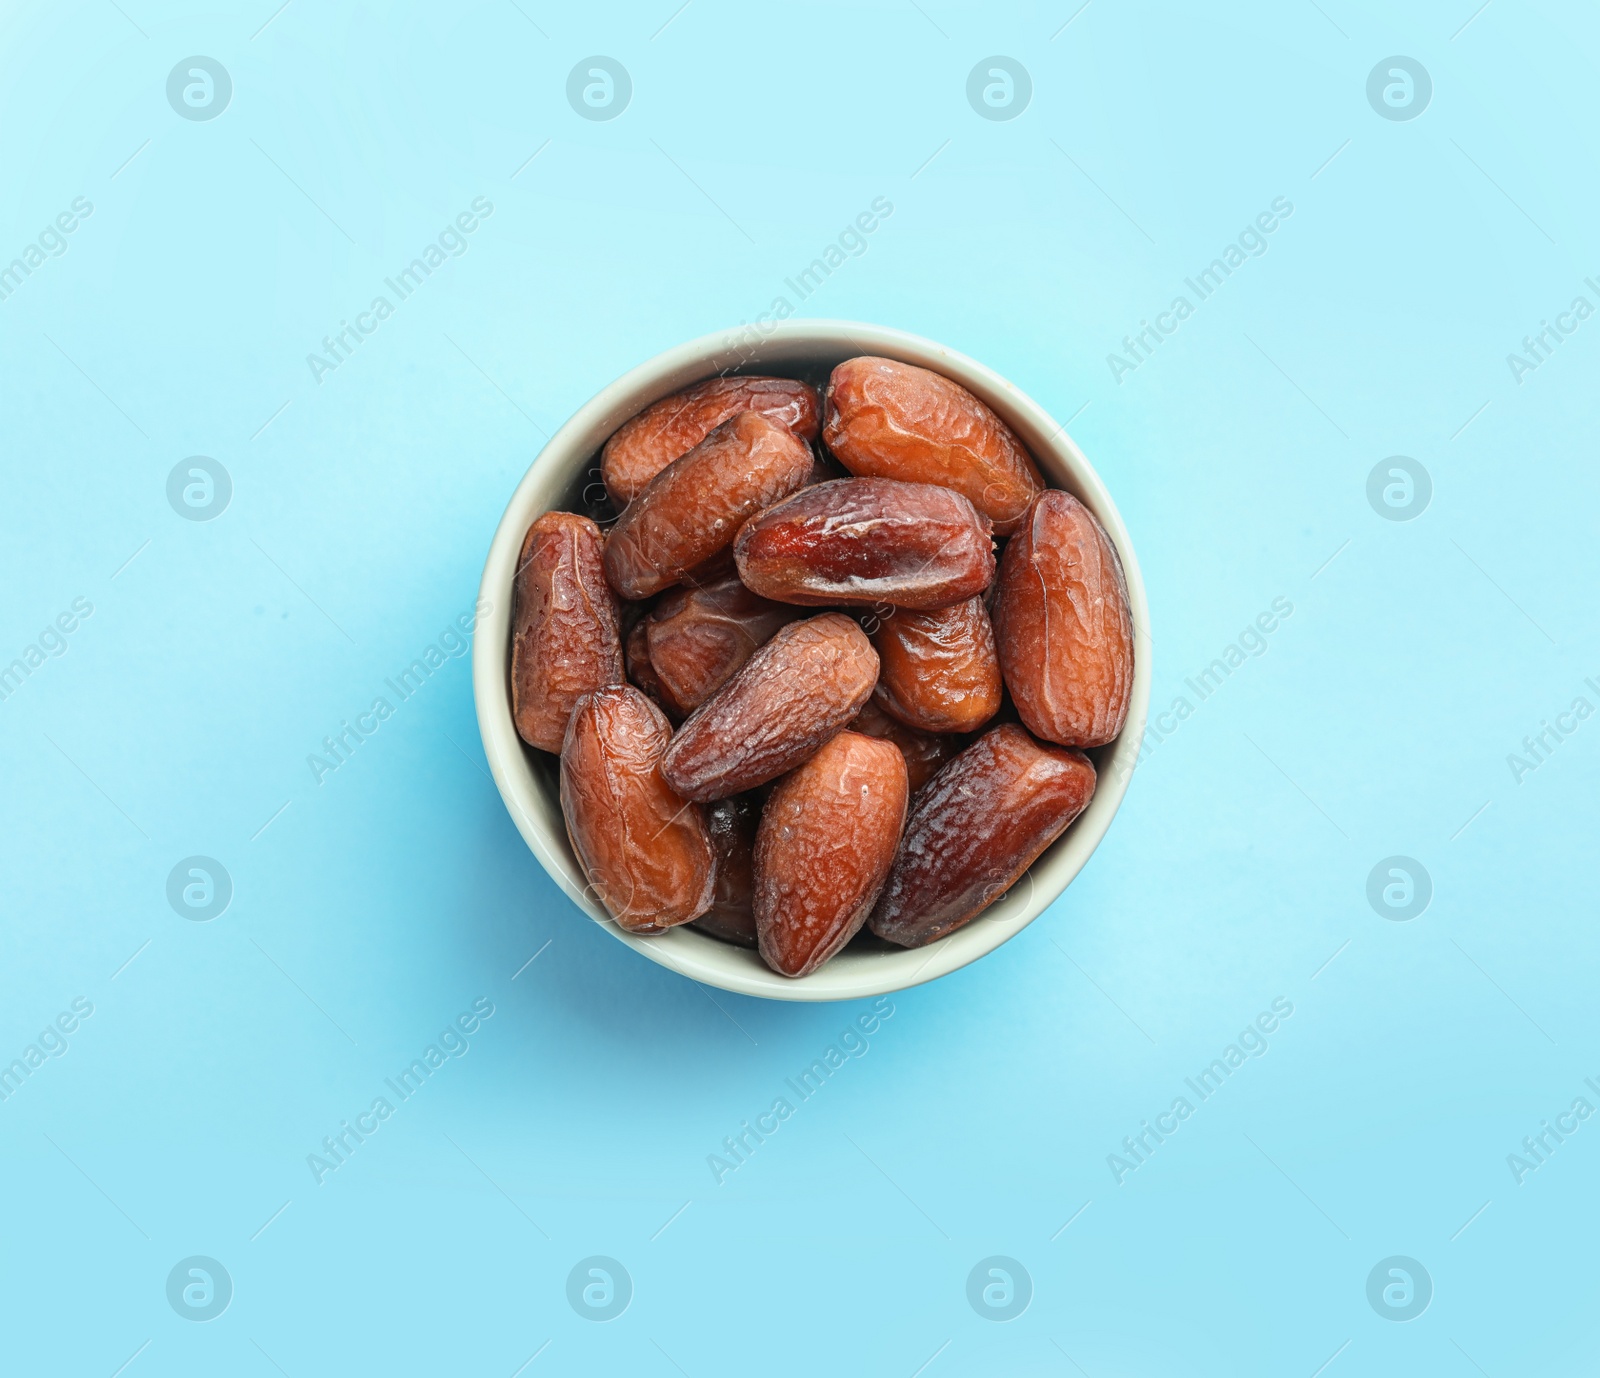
column 863, row 541
column 892, row 420
column 1062, row 625
column 976, row 827
column 828, row 836
column 644, row 446
column 646, row 851
column 790, row 697
column 938, row 670
column 699, row 638
column 925, row 752
column 732, row 824
column 564, row 639
column 693, row 509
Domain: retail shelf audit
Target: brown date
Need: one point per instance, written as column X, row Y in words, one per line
column 939, row 672
column 862, row 541
column 827, row 839
column 693, row 509
column 790, row 697
column 644, row 446
column 925, row 752
column 976, row 827
column 892, row 420
column 1062, row 624
column 732, row 823
column 564, row 639
column 646, row 852
column 699, row 638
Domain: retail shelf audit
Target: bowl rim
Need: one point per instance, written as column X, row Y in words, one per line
column 854, row 973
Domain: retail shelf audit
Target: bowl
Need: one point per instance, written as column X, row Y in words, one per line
column 568, row 468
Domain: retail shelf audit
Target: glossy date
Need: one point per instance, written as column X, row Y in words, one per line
column 646, row 852
column 864, row 541
column 698, row 639
column 828, row 836
column 939, row 671
column 790, row 697
column 975, row 828
column 564, row 627
column 691, row 511
column 892, row 420
column 1062, row 625
column 644, row 446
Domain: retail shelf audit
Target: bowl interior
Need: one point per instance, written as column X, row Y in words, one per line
column 566, row 476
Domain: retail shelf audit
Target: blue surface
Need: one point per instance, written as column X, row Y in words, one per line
column 982, row 1116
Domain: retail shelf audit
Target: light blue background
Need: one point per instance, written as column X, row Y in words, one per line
column 381, row 903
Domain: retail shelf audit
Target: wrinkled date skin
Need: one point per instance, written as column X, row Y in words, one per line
column 925, row 753
column 938, row 670
column 693, row 509
column 732, row 823
column 698, row 639
column 647, row 853
column 828, row 836
column 791, row 696
column 1062, row 624
column 862, row 541
column 565, row 639
column 892, row 420
column 974, row 830
column 644, row 446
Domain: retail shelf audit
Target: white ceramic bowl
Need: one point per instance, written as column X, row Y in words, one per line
column 557, row 479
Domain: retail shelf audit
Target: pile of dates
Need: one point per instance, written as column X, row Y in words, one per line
column 794, row 688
